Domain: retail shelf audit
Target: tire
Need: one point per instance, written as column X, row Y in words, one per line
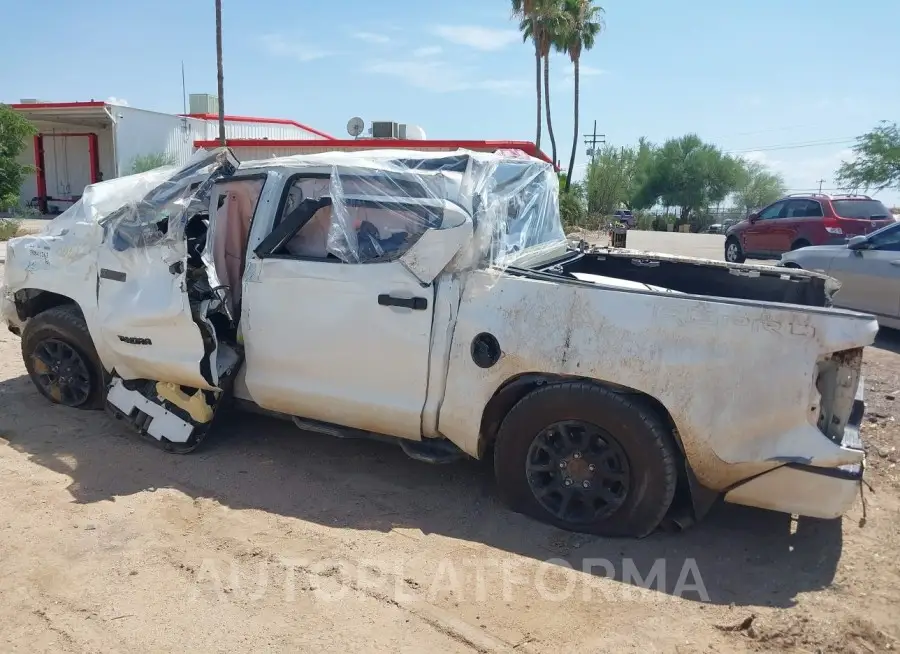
column 801, row 243
column 79, row 381
column 733, row 251
column 624, row 499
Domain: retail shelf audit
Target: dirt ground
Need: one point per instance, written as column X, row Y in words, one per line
column 271, row 539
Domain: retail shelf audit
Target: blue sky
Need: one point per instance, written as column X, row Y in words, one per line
column 751, row 76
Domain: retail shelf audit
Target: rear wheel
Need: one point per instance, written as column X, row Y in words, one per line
column 584, row 458
column 61, row 360
column 733, row 251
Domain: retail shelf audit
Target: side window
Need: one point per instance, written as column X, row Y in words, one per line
column 366, row 232
column 773, row 211
column 362, row 228
column 887, row 241
column 804, row 209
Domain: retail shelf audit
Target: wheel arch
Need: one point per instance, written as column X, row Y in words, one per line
column 801, row 242
column 512, row 390
column 32, row 301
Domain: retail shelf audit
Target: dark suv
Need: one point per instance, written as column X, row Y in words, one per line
column 801, row 220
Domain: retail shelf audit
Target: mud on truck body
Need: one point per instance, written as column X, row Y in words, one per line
column 432, row 299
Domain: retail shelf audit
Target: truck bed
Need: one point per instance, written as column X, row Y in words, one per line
column 700, row 276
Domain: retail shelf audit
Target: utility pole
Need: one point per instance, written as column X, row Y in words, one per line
column 821, row 181
column 219, row 71
column 592, row 140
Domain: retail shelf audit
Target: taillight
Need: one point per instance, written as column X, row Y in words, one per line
column 833, row 226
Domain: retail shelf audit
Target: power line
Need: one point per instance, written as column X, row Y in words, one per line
column 794, row 146
column 592, row 141
column 760, row 131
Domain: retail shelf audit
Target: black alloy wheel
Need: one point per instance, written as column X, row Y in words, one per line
column 577, row 471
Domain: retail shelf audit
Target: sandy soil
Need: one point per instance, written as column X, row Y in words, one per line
column 270, row 539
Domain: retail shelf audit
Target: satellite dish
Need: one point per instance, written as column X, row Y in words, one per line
column 355, row 126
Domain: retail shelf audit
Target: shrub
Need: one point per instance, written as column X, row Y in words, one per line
column 9, row 227
column 144, row 162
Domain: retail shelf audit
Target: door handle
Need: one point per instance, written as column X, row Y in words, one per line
column 414, row 303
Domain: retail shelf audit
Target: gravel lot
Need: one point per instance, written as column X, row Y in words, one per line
column 270, row 539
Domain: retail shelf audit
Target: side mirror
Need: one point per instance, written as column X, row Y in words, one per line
column 436, row 247
column 858, row 243
column 753, row 217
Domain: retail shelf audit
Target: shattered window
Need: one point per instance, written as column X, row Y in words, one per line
column 372, row 224
column 378, row 232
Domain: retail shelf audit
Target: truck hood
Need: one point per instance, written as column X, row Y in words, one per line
column 814, row 249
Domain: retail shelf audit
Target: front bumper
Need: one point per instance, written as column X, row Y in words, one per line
column 807, row 490
column 8, row 313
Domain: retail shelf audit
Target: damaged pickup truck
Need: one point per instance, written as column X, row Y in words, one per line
column 432, row 299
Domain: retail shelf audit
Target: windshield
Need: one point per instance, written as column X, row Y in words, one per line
column 870, row 209
column 888, row 231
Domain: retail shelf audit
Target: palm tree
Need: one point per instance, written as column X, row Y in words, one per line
column 221, row 77
column 585, row 24
column 547, row 26
column 524, row 10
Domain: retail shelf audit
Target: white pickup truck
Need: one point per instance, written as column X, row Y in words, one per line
column 432, row 298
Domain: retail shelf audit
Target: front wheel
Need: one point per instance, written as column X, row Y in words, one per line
column 584, row 458
column 60, row 358
column 733, row 251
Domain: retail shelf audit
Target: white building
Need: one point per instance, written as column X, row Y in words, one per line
column 79, row 143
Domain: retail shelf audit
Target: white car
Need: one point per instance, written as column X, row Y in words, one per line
column 431, row 298
column 867, row 267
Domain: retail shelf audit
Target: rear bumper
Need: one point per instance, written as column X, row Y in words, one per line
column 807, row 490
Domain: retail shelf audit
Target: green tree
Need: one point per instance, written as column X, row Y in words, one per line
column 546, row 26
column 640, row 171
column 144, row 162
column 584, row 26
column 608, row 179
column 14, row 130
column 877, row 160
column 571, row 206
column 524, row 10
column 758, row 186
column 690, row 174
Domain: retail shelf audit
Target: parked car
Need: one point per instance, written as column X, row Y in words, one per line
column 799, row 221
column 430, row 299
column 868, row 268
column 715, row 228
